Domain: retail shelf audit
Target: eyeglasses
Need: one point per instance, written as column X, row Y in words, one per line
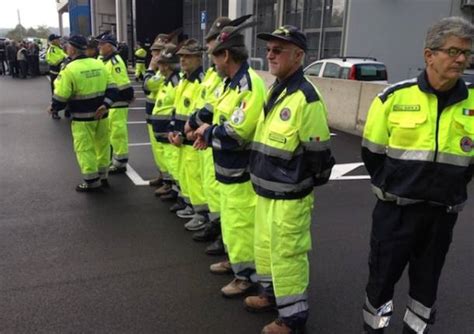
column 276, row 51
column 455, row 52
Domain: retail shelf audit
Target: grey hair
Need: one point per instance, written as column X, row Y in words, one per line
column 447, row 27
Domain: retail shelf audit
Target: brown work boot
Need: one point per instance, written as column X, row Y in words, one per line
column 261, row 303
column 164, row 189
column 158, row 182
column 221, row 268
column 277, row 327
column 237, row 287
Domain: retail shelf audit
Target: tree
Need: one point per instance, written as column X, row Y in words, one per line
column 18, row 33
column 42, row 32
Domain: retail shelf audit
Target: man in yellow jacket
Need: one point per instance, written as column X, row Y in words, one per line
column 237, row 111
column 55, row 55
column 86, row 88
column 418, row 149
column 118, row 114
column 140, row 59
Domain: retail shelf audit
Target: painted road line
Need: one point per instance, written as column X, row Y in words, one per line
column 139, row 144
column 338, row 172
column 136, row 179
column 137, row 122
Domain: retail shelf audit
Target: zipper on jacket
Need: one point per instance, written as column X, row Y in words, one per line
column 437, row 129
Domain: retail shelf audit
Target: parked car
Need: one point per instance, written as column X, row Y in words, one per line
column 43, row 65
column 350, row 68
column 468, row 75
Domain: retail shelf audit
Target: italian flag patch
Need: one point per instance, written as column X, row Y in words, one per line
column 468, row 112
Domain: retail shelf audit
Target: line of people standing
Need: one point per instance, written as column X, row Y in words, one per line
column 19, row 59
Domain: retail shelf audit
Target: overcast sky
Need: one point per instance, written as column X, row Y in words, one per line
column 32, row 13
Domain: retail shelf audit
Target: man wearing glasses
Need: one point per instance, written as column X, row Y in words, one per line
column 418, row 149
column 290, row 156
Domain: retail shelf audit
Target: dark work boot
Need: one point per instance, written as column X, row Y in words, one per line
column 216, row 248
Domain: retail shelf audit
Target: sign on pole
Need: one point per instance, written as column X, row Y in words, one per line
column 203, row 19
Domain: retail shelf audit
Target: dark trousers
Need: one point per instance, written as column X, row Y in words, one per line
column 418, row 235
column 23, row 68
column 52, row 77
column 2, row 67
column 13, row 68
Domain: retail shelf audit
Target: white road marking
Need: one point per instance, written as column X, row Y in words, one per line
column 341, row 169
column 139, row 144
column 136, row 108
column 136, row 122
column 136, row 179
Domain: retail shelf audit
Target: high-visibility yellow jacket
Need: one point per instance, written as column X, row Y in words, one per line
column 54, row 57
column 418, row 144
column 83, row 85
column 291, row 148
column 164, row 107
column 237, row 111
column 140, row 55
column 211, row 88
column 187, row 96
column 118, row 72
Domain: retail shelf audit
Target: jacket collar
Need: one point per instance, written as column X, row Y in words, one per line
column 110, row 56
column 235, row 81
column 196, row 75
column 457, row 94
column 293, row 82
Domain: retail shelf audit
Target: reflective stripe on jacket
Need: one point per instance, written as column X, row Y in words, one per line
column 416, row 151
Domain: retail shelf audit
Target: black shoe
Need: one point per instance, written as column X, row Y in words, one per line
column 105, row 183
column 86, row 188
column 55, row 116
column 177, row 206
column 117, row 170
column 216, row 248
column 171, row 196
column 369, row 330
column 210, row 232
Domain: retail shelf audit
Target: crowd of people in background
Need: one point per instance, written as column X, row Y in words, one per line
column 20, row 59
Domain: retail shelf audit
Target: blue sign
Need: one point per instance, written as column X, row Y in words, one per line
column 203, row 19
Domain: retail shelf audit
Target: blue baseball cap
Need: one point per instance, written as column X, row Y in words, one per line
column 108, row 38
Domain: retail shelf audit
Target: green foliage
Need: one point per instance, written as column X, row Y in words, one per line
column 19, row 32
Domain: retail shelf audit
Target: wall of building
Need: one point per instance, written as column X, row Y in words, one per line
column 394, row 31
column 104, row 16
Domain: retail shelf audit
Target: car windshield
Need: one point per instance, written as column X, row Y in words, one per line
column 371, row 72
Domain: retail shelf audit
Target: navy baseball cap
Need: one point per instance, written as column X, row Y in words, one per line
column 78, row 41
column 286, row 33
column 108, row 38
column 52, row 37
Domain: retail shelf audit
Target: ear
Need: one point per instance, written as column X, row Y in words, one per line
column 226, row 56
column 428, row 55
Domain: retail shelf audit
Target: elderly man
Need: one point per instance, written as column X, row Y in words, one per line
column 236, row 113
column 152, row 83
column 290, row 155
column 118, row 114
column 85, row 87
column 187, row 95
column 418, row 149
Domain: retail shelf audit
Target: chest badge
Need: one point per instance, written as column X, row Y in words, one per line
column 187, row 103
column 285, row 114
column 466, row 144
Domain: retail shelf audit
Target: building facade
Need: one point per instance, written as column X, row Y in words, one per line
column 391, row 31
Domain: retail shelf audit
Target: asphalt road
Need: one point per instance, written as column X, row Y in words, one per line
column 119, row 262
